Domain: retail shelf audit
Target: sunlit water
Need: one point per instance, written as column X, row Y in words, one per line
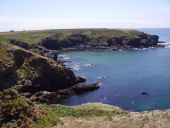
column 123, row 75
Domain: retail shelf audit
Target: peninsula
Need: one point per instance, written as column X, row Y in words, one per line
column 32, row 78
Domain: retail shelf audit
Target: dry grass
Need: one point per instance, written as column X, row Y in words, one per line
column 152, row 119
column 72, row 117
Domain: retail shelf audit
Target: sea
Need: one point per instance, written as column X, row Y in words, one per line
column 124, row 75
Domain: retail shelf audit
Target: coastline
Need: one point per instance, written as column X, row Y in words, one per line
column 40, row 78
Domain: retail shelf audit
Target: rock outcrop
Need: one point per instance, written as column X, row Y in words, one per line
column 19, row 43
column 31, row 73
column 80, row 88
column 33, row 69
column 130, row 40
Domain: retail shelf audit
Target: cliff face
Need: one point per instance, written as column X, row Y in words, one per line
column 38, row 77
column 122, row 40
column 30, row 71
column 83, row 39
column 33, row 69
column 27, row 77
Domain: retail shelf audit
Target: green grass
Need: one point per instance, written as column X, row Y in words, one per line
column 33, row 37
column 56, row 111
column 3, row 54
column 48, row 120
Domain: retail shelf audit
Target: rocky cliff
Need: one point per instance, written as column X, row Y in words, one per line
column 22, row 67
column 30, row 73
column 91, row 39
column 27, row 77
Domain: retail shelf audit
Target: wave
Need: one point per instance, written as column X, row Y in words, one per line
column 101, row 77
column 88, row 65
column 63, row 57
column 66, row 58
column 99, row 83
column 168, row 46
column 76, row 67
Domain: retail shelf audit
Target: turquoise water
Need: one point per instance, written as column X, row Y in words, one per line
column 123, row 75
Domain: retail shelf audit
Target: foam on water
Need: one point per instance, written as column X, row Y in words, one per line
column 76, row 67
column 88, row 65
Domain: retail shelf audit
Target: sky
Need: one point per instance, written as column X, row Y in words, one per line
column 61, row 14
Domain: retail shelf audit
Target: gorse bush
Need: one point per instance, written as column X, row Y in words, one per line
column 17, row 111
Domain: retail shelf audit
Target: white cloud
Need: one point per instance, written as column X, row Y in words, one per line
column 21, row 23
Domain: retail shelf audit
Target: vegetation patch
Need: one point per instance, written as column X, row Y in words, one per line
column 17, row 111
column 3, row 53
column 29, row 71
column 56, row 111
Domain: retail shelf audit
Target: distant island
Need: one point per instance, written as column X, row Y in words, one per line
column 31, row 74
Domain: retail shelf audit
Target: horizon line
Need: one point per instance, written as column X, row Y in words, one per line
column 12, row 30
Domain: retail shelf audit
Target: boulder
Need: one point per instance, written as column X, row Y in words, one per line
column 144, row 93
column 80, row 80
column 81, row 87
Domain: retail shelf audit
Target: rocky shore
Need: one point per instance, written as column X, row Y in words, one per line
column 28, row 78
column 32, row 73
column 36, row 73
column 127, row 40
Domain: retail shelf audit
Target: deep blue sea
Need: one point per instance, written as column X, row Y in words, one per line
column 123, row 75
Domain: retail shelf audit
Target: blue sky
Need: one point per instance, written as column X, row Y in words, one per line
column 53, row 14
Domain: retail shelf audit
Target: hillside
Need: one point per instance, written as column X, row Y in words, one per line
column 27, row 77
column 32, row 82
column 36, row 36
column 80, row 39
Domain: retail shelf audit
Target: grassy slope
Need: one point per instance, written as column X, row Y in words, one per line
column 96, row 115
column 35, row 36
column 56, row 112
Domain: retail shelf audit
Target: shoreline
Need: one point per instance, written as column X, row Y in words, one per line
column 109, row 48
column 142, row 93
column 42, row 80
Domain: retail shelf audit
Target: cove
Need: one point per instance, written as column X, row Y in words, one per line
column 123, row 76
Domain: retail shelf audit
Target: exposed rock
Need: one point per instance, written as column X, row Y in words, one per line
column 51, row 43
column 46, row 97
column 72, row 40
column 55, row 97
column 81, row 41
column 7, row 69
column 40, row 78
column 19, row 43
column 80, row 80
column 81, row 87
column 34, row 72
column 144, row 93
